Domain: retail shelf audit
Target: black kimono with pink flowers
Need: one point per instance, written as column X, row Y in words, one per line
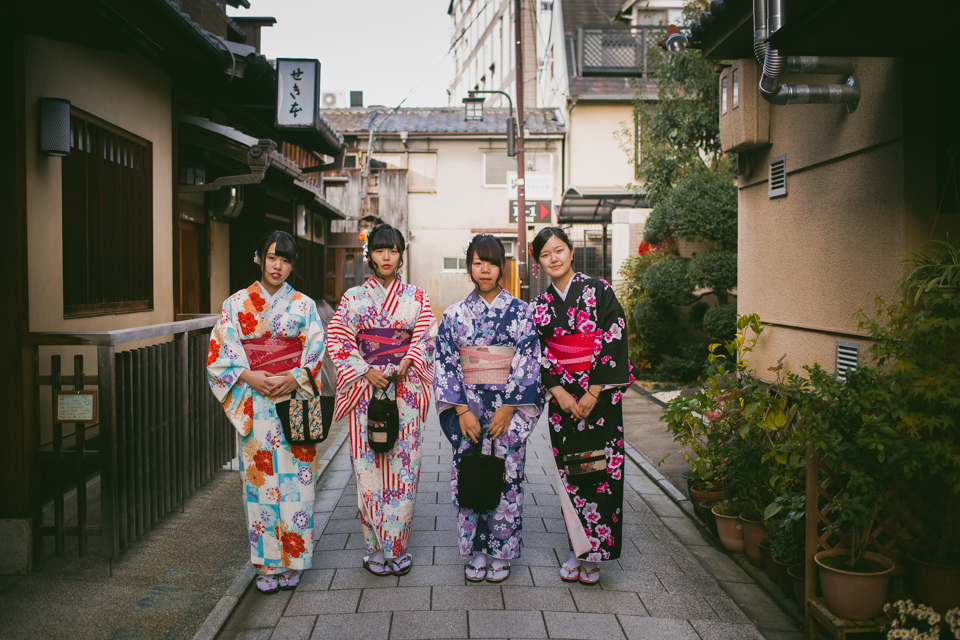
column 589, row 305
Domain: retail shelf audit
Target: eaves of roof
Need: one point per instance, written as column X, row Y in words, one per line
column 445, row 121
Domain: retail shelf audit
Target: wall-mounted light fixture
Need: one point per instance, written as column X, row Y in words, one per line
column 54, row 126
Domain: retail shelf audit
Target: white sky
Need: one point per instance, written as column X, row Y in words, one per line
column 385, row 48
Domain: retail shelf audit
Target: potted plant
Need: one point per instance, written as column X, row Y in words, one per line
column 918, row 347
column 785, row 522
column 935, row 269
column 921, row 622
column 850, row 424
column 729, row 527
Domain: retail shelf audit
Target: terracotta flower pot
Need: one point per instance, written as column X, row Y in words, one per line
column 731, row 531
column 796, row 573
column 855, row 596
column 767, row 558
column 938, row 586
column 707, row 507
column 753, row 534
column 699, row 496
column 784, row 581
column 691, row 479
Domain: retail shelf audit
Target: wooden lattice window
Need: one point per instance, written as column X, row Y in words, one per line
column 107, row 219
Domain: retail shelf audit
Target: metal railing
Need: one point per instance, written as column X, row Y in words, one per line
column 611, row 50
column 160, row 432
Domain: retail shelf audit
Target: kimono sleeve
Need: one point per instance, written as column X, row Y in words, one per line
column 423, row 346
column 523, row 385
column 611, row 362
column 448, row 372
column 311, row 333
column 342, row 346
column 226, row 360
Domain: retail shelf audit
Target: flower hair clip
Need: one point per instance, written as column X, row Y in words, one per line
column 256, row 257
column 467, row 243
column 363, row 238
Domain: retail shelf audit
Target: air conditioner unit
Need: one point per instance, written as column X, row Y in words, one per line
column 333, row 100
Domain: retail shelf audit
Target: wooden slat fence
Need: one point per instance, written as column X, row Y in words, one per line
column 161, row 433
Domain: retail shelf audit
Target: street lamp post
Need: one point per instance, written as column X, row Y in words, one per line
column 473, row 110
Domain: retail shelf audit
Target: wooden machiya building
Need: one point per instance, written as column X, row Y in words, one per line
column 144, row 162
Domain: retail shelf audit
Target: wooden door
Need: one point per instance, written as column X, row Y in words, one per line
column 194, row 269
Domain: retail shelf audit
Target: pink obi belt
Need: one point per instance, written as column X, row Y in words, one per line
column 384, row 346
column 276, row 356
column 575, row 351
column 486, row 365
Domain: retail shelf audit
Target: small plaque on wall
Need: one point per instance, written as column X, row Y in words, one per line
column 75, row 406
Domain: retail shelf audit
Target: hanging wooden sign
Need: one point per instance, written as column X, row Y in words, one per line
column 75, row 407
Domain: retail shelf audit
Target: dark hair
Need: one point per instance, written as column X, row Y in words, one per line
column 545, row 234
column 384, row 236
column 489, row 249
column 286, row 248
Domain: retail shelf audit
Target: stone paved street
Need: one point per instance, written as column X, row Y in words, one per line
column 669, row 582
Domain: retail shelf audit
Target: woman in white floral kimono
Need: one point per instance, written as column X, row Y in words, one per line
column 381, row 338
column 270, row 321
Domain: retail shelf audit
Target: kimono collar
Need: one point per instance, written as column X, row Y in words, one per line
column 500, row 302
column 374, row 284
column 563, row 294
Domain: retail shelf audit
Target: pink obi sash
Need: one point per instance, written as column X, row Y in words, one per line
column 575, row 351
column 384, row 346
column 273, row 355
column 486, row 365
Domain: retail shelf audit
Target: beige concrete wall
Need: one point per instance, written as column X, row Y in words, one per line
column 131, row 94
column 594, row 157
column 220, row 262
column 808, row 261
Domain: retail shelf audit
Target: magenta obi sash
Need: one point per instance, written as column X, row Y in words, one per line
column 575, row 351
column 276, row 356
column 384, row 346
column 486, row 365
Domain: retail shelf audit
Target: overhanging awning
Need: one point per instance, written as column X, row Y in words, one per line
column 596, row 204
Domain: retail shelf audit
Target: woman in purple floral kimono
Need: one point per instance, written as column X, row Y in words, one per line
column 487, row 385
column 585, row 369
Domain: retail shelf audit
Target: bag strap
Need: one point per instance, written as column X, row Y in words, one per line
column 392, row 379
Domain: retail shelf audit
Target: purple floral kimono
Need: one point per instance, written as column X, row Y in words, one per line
column 507, row 322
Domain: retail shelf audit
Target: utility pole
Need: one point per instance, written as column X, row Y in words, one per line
column 524, row 288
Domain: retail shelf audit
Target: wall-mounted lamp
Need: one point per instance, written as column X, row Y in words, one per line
column 473, row 108
column 54, row 126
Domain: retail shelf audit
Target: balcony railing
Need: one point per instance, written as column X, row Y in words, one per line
column 617, row 51
column 160, row 432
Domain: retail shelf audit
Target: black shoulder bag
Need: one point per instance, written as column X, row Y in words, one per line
column 480, row 479
column 306, row 421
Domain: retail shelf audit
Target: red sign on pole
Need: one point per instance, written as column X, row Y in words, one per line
column 537, row 211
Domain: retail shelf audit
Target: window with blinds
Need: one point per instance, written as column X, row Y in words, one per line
column 107, row 219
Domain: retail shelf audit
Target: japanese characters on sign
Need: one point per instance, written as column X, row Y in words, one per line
column 538, row 196
column 298, row 91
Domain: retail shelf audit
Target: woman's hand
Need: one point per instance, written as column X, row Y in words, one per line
column 469, row 425
column 500, row 421
column 567, row 402
column 405, row 365
column 259, row 381
column 588, row 401
column 376, row 379
column 282, row 385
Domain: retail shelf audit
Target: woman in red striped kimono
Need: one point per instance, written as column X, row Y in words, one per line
column 584, row 370
column 382, row 341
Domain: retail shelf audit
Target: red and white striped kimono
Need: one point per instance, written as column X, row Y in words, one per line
column 386, row 482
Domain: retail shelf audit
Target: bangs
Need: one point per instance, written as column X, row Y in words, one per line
column 387, row 238
column 286, row 246
column 489, row 249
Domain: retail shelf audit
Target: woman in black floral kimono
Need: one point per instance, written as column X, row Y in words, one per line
column 585, row 370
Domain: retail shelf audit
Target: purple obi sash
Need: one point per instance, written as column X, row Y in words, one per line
column 384, row 346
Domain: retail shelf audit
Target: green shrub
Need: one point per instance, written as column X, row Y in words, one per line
column 702, row 206
column 720, row 322
column 668, row 281
column 716, row 270
column 657, row 324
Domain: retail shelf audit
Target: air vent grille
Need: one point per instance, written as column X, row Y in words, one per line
column 778, row 176
column 848, row 357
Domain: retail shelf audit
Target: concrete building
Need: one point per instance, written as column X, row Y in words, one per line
column 830, row 199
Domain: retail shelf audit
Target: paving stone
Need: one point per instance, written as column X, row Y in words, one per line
column 541, row 511
column 550, row 540
column 315, row 579
column 305, row 603
column 533, row 525
column 537, row 556
column 446, row 523
column 643, row 628
column 660, row 547
column 429, row 575
column 757, row 606
column 356, row 541
column 685, row 531
column 346, row 513
column 342, row 526
column 474, row 596
column 725, row 631
column 431, row 476
column 415, row 625
column 331, row 542
column 728, row 610
column 640, row 483
column 433, row 538
column 326, row 500
column 554, row 525
column 435, row 486
column 719, row 565
column 355, row 626
column 395, row 599
column 671, row 605
column 249, row 634
column 432, row 509
column 294, row 628
column 448, row 555
column 550, row 577
column 259, row 611
column 339, row 559
column 583, row 626
column 506, row 624
column 425, row 523
column 638, row 582
column 351, row 578
column 679, row 583
column 538, row 598
column 782, row 635
column 432, row 497
column 422, row 556
column 333, row 479
column 593, row 601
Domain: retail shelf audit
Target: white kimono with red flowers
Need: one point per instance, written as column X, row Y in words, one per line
column 386, row 482
column 278, row 478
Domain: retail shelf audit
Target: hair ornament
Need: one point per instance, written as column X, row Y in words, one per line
column 364, row 235
column 467, row 243
column 256, row 257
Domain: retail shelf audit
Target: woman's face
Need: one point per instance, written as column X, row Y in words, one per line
column 485, row 274
column 387, row 261
column 556, row 257
column 276, row 269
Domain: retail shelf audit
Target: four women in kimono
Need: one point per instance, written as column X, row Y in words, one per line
column 382, row 341
column 585, row 369
column 278, row 478
column 487, row 384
